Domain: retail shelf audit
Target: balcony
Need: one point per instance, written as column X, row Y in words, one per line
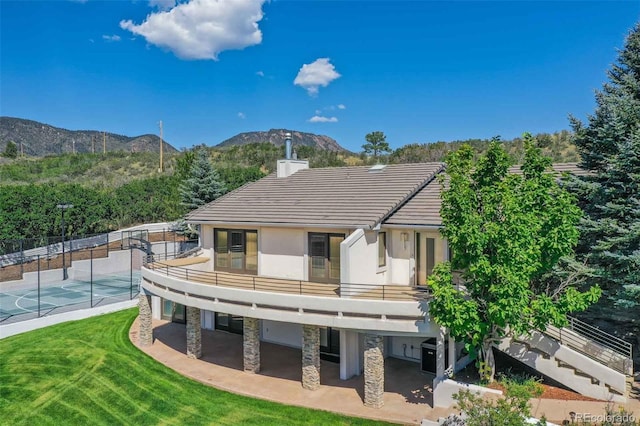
column 179, row 268
column 394, row 308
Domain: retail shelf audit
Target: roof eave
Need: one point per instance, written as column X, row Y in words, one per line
column 280, row 224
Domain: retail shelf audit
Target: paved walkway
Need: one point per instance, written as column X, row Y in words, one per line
column 408, row 398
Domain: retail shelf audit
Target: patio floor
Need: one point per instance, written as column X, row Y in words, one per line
column 407, row 398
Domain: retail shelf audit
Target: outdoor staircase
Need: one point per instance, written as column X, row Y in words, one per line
column 581, row 357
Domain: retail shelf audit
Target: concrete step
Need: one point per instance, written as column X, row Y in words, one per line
column 568, row 367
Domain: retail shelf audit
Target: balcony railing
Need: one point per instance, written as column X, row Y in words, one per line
column 172, row 268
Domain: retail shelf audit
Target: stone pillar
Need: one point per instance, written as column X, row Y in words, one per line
column 251, row 345
column 194, row 333
column 373, row 371
column 145, row 320
column 310, row 357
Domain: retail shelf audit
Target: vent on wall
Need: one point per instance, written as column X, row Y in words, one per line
column 377, row 168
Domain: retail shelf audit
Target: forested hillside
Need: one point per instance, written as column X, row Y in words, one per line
column 119, row 189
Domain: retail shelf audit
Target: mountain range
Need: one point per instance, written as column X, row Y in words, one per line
column 276, row 137
column 39, row 139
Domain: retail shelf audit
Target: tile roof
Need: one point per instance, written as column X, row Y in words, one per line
column 348, row 197
column 423, row 209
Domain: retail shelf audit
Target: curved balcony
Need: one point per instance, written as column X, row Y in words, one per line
column 392, row 308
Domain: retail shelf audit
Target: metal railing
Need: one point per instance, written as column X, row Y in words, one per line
column 51, row 255
column 281, row 285
column 596, row 344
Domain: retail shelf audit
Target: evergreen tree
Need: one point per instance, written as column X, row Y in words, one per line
column 376, row 144
column 203, row 184
column 609, row 147
column 11, row 150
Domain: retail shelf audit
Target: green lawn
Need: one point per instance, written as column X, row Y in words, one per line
column 88, row 372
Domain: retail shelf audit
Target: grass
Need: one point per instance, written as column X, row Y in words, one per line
column 88, row 372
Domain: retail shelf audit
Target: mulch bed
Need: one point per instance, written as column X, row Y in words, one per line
column 470, row 375
column 551, row 392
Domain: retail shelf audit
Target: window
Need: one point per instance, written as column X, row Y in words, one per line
column 236, row 250
column 382, row 249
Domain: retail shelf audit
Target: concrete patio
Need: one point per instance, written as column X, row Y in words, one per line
column 407, row 397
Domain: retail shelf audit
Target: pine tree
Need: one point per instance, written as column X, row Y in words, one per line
column 376, row 144
column 609, row 147
column 203, row 184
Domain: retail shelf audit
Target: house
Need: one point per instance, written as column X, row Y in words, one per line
column 333, row 261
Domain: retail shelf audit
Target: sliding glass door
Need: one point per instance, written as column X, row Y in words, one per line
column 236, row 250
column 425, row 258
column 324, row 257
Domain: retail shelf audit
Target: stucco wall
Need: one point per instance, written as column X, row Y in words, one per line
column 397, row 348
column 282, row 333
column 401, row 256
column 359, row 255
column 206, row 236
column 282, row 253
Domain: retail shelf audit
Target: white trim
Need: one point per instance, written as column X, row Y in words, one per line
column 280, row 224
column 392, row 226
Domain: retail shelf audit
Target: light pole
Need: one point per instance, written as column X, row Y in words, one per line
column 62, row 208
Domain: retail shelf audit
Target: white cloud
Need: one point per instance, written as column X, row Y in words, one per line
column 260, row 73
column 242, row 115
column 341, row 106
column 201, row 29
column 321, row 119
column 311, row 76
column 162, row 4
column 111, row 37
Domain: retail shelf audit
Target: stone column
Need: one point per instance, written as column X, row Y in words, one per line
column 145, row 320
column 373, row 371
column 251, row 345
column 310, row 357
column 194, row 333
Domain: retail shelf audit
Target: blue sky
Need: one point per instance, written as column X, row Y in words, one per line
column 419, row 71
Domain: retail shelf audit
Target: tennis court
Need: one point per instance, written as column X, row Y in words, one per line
column 21, row 304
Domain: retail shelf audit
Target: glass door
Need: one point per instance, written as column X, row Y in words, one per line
column 324, row 257
column 236, row 250
column 230, row 323
column 425, row 258
column 172, row 311
column 330, row 344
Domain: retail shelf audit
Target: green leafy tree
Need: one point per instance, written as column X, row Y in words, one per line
column 505, row 231
column 376, row 144
column 11, row 150
column 203, row 184
column 510, row 410
column 609, row 147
